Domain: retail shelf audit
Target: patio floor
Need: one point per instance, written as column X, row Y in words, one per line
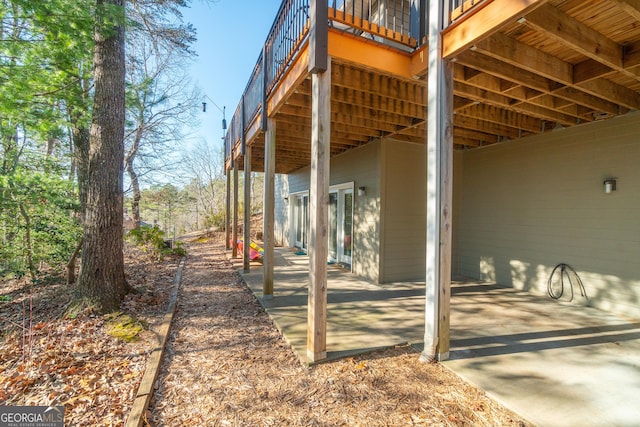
column 554, row 364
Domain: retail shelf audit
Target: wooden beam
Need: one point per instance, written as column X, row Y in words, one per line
column 568, row 31
column 318, row 216
column 617, row 93
column 483, row 22
column 418, row 65
column 439, row 192
column 227, row 213
column 363, row 80
column 522, row 55
column 525, row 106
column 368, row 53
column 318, row 42
column 632, row 7
column 269, row 214
column 234, row 243
column 295, row 75
column 477, row 124
column 246, row 244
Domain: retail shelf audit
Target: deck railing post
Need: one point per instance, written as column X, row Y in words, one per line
column 264, row 125
column 318, row 36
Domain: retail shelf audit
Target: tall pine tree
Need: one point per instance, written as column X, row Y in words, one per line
column 102, row 280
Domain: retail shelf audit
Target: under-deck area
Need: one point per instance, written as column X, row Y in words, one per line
column 553, row 363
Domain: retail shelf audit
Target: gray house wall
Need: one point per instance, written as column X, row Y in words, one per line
column 525, row 206
column 360, row 166
column 281, row 210
column 389, row 225
column 404, row 202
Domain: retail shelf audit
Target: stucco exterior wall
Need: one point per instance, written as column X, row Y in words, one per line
column 526, row 206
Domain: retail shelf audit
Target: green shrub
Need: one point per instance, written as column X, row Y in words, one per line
column 152, row 239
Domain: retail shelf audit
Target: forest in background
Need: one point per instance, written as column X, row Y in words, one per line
column 47, row 107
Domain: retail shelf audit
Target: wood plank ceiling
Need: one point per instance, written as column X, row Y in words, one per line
column 567, row 62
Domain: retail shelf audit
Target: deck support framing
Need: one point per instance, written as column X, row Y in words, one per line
column 234, row 243
column 246, row 244
column 439, row 192
column 269, row 208
column 319, row 215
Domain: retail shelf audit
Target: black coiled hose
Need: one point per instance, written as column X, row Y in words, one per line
column 565, row 271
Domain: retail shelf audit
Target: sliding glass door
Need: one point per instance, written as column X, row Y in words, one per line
column 340, row 236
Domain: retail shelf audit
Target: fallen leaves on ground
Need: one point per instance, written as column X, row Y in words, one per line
column 226, row 364
column 49, row 360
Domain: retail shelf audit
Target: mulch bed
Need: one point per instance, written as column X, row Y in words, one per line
column 227, row 365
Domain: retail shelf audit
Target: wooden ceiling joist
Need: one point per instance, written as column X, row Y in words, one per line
column 521, row 67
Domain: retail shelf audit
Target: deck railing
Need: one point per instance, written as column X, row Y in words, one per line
column 460, row 8
column 396, row 21
column 287, row 35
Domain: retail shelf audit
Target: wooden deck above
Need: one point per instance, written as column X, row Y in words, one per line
column 538, row 65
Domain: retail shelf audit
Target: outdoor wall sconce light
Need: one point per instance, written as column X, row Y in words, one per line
column 361, row 191
column 609, row 185
column 286, row 200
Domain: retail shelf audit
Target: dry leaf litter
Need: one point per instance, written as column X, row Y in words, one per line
column 226, row 364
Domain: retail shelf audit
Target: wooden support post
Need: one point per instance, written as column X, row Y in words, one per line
column 246, row 248
column 319, row 213
column 227, row 214
column 318, row 36
column 268, row 203
column 234, row 226
column 439, row 192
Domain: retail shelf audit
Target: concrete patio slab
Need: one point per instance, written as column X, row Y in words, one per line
column 554, row 364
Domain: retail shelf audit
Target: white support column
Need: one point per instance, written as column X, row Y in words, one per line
column 234, row 226
column 268, row 203
column 439, row 191
column 319, row 202
column 247, row 210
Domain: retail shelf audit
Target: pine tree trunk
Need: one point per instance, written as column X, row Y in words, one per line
column 133, row 176
column 135, row 187
column 102, row 279
column 81, row 138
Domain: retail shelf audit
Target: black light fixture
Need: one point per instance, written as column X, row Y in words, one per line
column 222, row 110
